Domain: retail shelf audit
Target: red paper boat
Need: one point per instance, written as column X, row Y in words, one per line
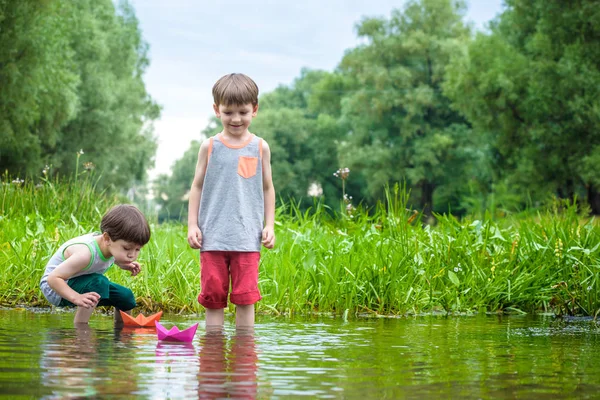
column 174, row 334
column 140, row 320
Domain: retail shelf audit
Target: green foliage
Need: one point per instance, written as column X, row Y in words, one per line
column 381, row 261
column 71, row 77
column 38, row 80
column 495, row 122
column 401, row 124
column 303, row 140
column 532, row 87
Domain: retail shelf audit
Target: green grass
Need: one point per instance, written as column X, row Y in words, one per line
column 377, row 261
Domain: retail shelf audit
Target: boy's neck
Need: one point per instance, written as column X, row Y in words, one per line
column 235, row 139
column 102, row 245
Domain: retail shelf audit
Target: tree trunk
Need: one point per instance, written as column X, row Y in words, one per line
column 427, row 189
column 567, row 191
column 593, row 199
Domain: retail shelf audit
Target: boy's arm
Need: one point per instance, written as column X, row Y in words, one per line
column 78, row 257
column 194, row 235
column 268, row 234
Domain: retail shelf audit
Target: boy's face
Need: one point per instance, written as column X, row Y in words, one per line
column 124, row 252
column 235, row 118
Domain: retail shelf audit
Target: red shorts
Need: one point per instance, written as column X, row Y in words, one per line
column 215, row 269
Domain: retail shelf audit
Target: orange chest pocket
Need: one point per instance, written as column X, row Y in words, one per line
column 247, row 166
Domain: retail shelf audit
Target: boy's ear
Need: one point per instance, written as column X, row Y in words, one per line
column 217, row 112
column 105, row 237
column 254, row 110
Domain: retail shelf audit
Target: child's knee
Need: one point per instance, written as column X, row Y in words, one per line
column 100, row 284
column 127, row 302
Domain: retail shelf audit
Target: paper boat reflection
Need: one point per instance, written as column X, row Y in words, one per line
column 174, row 334
column 140, row 320
column 138, row 330
column 169, row 350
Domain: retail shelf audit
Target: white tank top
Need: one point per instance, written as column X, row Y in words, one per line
column 231, row 215
column 98, row 264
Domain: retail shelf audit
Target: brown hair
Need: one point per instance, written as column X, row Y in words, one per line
column 126, row 222
column 236, row 89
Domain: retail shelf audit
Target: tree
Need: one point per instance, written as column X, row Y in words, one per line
column 71, row 78
column 534, row 85
column 400, row 125
column 113, row 122
column 37, row 79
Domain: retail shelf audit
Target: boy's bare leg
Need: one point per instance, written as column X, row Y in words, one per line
column 118, row 318
column 244, row 316
column 215, row 316
column 82, row 316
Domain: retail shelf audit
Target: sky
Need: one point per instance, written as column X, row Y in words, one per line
column 193, row 43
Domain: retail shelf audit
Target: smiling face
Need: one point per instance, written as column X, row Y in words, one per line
column 235, row 119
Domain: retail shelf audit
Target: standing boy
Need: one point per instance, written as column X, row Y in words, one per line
column 74, row 276
column 232, row 204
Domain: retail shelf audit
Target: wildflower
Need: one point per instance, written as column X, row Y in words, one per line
column 589, row 288
column 347, row 198
column 558, row 248
column 18, row 181
column 45, row 170
column 349, row 208
column 88, row 166
column 80, row 152
column 34, row 248
column 455, row 269
column 315, row 189
column 342, row 173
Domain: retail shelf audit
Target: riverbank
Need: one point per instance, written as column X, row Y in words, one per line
column 380, row 262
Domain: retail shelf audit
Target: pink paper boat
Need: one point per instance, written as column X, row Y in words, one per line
column 174, row 334
column 140, row 320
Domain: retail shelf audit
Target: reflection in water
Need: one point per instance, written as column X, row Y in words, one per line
column 42, row 356
column 169, row 350
column 67, row 360
column 75, row 362
column 228, row 369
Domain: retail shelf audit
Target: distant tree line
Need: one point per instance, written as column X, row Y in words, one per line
column 72, row 98
column 471, row 121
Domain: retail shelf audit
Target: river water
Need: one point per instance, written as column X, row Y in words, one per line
column 42, row 355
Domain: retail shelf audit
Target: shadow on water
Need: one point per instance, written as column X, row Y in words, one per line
column 43, row 356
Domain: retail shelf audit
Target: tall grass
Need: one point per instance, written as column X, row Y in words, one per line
column 382, row 260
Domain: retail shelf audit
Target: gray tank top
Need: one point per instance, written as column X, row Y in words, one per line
column 98, row 264
column 231, row 215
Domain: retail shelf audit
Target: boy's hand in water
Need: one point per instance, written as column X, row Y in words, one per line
column 87, row 300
